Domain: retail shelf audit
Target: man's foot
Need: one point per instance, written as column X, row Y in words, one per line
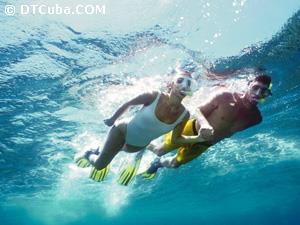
column 154, row 166
column 151, row 172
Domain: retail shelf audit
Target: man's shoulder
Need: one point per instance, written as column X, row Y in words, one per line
column 224, row 95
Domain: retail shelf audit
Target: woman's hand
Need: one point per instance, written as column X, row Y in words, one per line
column 109, row 122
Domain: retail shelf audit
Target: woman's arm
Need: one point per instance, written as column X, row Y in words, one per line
column 143, row 99
column 178, row 138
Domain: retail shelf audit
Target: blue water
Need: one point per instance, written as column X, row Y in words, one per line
column 61, row 76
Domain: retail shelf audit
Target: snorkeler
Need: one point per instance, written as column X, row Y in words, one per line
column 227, row 113
column 161, row 113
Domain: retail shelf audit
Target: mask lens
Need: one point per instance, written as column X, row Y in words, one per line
column 189, row 83
column 266, row 92
column 255, row 87
column 179, row 80
column 186, row 84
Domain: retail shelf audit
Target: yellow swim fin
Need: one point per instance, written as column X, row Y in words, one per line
column 128, row 174
column 99, row 175
column 152, row 170
column 82, row 162
column 148, row 176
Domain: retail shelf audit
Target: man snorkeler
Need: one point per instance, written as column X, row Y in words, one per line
column 225, row 113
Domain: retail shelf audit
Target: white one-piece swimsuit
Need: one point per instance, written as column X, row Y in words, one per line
column 145, row 126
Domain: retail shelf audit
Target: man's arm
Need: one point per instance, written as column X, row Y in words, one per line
column 201, row 118
column 204, row 111
column 207, row 108
column 143, row 99
column 206, row 130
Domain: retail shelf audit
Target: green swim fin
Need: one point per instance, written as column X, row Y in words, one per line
column 128, row 174
column 152, row 170
column 99, row 175
column 82, row 162
column 148, row 176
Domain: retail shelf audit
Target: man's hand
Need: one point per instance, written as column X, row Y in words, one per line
column 206, row 132
column 109, row 122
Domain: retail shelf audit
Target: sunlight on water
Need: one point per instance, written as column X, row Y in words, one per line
column 116, row 198
column 261, row 148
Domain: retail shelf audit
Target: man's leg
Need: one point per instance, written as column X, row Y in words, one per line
column 183, row 156
column 170, row 162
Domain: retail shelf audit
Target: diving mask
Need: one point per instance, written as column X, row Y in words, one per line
column 265, row 93
column 185, row 84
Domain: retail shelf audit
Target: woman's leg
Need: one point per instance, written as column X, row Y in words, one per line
column 158, row 150
column 165, row 147
column 113, row 144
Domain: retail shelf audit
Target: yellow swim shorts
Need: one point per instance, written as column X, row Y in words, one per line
column 186, row 152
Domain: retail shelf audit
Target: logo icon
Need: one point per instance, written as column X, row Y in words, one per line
column 10, row 10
